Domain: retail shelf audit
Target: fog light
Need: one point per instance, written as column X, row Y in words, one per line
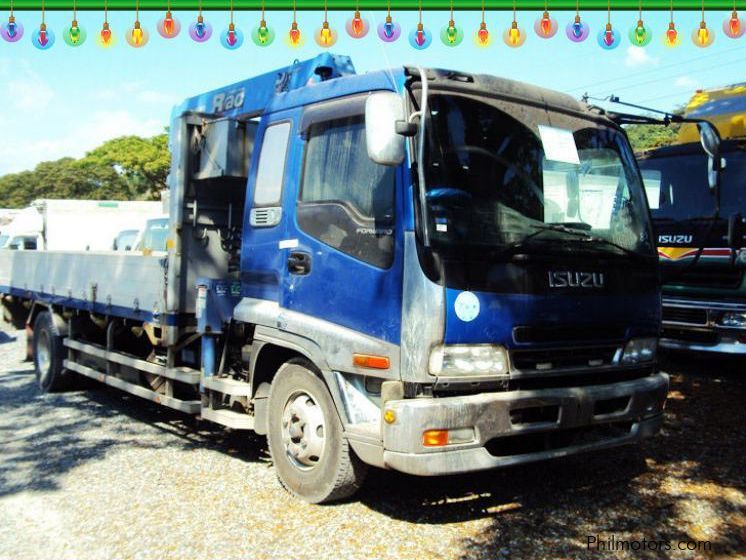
column 640, row 350
column 733, row 319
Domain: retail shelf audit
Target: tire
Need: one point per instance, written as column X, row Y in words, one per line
column 300, row 414
column 49, row 354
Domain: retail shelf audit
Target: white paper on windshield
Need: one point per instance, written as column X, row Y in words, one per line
column 559, row 144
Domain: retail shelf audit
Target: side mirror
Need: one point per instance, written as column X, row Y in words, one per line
column 384, row 115
column 710, row 140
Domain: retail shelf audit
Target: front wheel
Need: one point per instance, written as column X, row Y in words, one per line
column 312, row 457
column 49, row 353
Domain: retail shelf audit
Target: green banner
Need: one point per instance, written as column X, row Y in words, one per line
column 396, row 5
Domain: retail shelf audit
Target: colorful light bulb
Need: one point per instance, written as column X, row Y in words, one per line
column 451, row 35
column 231, row 38
column 357, row 26
column 703, row 36
column 389, row 31
column 11, row 30
column 74, row 35
column 262, row 34
column 169, row 27
column 734, row 27
column 483, row 36
column 671, row 38
column 105, row 37
column 608, row 35
column 325, row 35
column 513, row 36
column 137, row 36
column 294, row 35
column 577, row 31
column 43, row 38
column 420, row 38
column 639, row 35
column 608, row 38
column 546, row 26
column 200, row 30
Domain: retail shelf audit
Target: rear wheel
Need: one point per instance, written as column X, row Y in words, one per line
column 49, row 352
column 312, row 458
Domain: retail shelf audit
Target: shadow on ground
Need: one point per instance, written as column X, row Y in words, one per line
column 688, row 483
column 5, row 337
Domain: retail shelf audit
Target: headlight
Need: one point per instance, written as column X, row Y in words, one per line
column 733, row 319
column 640, row 350
column 468, row 359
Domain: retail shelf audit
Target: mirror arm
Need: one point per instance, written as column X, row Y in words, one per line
column 422, row 187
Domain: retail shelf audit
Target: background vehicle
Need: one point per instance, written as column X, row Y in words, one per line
column 154, row 236
column 75, row 225
column 420, row 270
column 126, row 240
column 699, row 230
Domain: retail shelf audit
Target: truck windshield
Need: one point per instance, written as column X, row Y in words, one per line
column 504, row 175
column 677, row 185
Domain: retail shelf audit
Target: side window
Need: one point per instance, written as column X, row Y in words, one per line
column 347, row 200
column 271, row 168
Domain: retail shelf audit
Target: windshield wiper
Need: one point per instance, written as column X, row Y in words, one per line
column 585, row 236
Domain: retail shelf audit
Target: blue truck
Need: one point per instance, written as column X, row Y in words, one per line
column 422, row 270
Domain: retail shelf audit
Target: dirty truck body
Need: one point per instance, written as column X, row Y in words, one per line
column 365, row 297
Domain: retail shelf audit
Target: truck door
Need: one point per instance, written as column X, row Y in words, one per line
column 262, row 263
column 343, row 250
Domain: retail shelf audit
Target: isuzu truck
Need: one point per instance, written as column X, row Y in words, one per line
column 699, row 230
column 416, row 269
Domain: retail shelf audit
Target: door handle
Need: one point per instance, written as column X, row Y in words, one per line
column 299, row 263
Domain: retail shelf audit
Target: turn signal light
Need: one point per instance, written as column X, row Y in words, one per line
column 370, row 361
column 435, row 438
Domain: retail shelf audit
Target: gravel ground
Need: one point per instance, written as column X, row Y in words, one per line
column 98, row 474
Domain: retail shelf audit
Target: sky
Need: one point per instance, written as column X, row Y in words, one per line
column 66, row 101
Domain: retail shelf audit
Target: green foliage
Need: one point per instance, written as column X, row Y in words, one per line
column 646, row 137
column 126, row 168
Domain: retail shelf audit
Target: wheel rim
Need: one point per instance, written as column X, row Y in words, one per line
column 43, row 354
column 303, row 430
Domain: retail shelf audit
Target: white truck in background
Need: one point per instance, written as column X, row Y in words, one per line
column 75, row 225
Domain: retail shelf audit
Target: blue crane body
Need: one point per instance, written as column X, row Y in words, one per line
column 422, row 270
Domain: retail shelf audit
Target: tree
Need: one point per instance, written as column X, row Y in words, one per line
column 126, row 168
column 647, row 136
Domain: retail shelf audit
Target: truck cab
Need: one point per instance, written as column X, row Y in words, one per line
column 699, row 230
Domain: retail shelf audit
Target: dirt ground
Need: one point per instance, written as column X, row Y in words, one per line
column 98, row 474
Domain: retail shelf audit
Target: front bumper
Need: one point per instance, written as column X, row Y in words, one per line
column 512, row 428
column 693, row 325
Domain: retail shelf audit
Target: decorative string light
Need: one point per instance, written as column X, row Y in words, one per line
column 577, row 31
column 43, row 38
column 295, row 39
column 608, row 38
column 168, row 27
column 137, row 36
column 232, row 37
column 514, row 36
column 105, row 37
column 200, row 30
column 450, row 34
column 11, row 30
column 357, row 26
column 639, row 35
column 325, row 35
column 482, row 37
column 262, row 34
column 703, row 36
column 546, row 26
column 389, row 31
column 733, row 26
column 420, row 37
column 74, row 35
column 671, row 37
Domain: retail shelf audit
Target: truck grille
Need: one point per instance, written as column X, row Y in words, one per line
column 568, row 333
column 566, row 358
column 686, row 315
column 708, row 277
column 694, row 336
